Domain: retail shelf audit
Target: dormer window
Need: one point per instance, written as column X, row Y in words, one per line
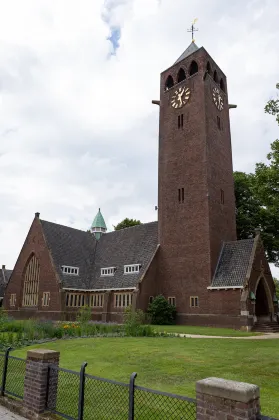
column 73, row 271
column 132, row 268
column 109, row 271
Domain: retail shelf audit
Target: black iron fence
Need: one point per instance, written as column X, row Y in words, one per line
column 13, row 374
column 80, row 396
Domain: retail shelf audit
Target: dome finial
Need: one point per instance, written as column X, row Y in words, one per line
column 98, row 226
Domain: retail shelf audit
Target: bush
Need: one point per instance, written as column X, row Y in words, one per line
column 84, row 315
column 134, row 323
column 161, row 312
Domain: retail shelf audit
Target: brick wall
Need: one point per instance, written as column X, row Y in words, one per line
column 34, row 244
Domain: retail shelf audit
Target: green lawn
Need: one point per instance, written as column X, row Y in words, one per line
column 169, row 364
column 189, row 329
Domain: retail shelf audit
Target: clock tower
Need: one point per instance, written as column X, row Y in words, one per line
column 196, row 204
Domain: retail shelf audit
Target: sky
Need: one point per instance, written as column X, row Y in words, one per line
column 77, row 128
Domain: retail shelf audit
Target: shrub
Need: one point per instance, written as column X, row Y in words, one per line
column 161, row 312
column 84, row 315
column 134, row 323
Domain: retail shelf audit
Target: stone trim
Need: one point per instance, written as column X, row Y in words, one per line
column 224, row 388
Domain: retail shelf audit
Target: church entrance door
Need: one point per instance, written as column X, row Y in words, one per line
column 263, row 305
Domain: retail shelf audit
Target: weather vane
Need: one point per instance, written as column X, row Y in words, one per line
column 193, row 29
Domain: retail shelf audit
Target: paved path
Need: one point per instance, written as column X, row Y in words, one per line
column 6, row 414
column 253, row 337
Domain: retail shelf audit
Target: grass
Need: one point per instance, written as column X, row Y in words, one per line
column 189, row 329
column 166, row 364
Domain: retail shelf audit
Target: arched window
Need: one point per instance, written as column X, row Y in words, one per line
column 169, row 83
column 31, row 283
column 194, row 68
column 215, row 77
column 222, row 85
column 208, row 68
column 181, row 75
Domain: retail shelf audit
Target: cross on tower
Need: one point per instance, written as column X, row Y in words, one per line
column 193, row 29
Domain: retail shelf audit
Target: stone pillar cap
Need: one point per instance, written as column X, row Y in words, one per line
column 231, row 390
column 42, row 354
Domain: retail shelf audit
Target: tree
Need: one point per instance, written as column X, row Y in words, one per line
column 248, row 208
column 257, row 197
column 127, row 223
column 276, row 281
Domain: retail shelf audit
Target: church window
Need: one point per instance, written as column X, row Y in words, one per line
column 31, row 283
column 97, row 300
column 45, row 299
column 132, row 268
column 215, row 76
column 122, row 300
column 222, row 196
column 218, row 122
column 12, row 299
column 73, row 271
column 181, row 75
column 222, row 85
column 194, row 301
column 179, row 195
column 208, row 68
column 172, row 301
column 151, row 298
column 194, row 68
column 169, row 83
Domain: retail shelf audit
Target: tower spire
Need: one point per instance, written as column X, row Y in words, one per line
column 193, row 29
column 98, row 226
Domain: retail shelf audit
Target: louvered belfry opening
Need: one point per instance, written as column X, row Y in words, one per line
column 31, row 283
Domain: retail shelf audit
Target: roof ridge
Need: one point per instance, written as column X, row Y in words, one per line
column 239, row 240
column 131, row 227
column 64, row 226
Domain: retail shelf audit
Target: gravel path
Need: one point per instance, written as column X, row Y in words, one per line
column 255, row 337
column 6, row 414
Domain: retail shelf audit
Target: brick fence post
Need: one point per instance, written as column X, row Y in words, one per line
column 36, row 379
column 220, row 399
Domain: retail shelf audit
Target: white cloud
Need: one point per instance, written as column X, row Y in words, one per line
column 77, row 128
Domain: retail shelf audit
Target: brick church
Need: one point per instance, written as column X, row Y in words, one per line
column 191, row 255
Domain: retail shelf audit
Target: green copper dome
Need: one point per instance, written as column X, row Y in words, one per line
column 99, row 221
column 98, row 226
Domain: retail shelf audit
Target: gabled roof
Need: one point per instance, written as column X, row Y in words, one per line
column 133, row 245
column 76, row 248
column 4, row 278
column 72, row 247
column 99, row 221
column 233, row 263
column 190, row 50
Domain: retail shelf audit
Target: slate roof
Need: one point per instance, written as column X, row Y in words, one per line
column 4, row 278
column 76, row 248
column 190, row 50
column 233, row 263
column 72, row 247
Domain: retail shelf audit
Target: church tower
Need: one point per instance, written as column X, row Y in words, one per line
column 196, row 204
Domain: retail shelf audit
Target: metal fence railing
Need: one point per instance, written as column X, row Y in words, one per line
column 13, row 374
column 79, row 396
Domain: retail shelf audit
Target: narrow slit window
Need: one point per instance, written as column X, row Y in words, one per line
column 179, row 195
column 222, row 196
column 218, row 122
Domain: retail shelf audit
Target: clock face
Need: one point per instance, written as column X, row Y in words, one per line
column 180, row 97
column 217, row 99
